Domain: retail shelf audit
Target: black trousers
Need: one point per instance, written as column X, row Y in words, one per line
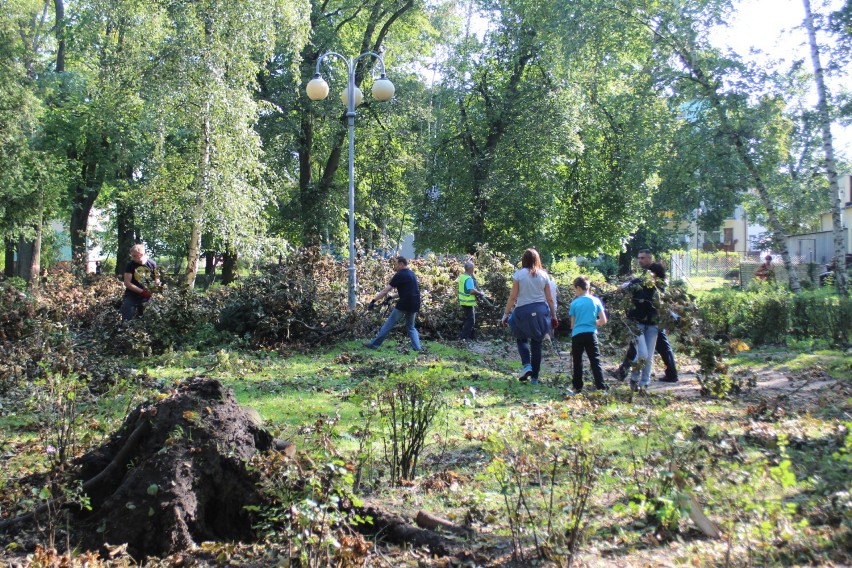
column 468, row 331
column 586, row 343
column 663, row 347
column 132, row 306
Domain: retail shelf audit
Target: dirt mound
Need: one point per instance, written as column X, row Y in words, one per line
column 175, row 473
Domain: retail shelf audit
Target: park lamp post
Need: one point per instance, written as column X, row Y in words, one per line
column 383, row 90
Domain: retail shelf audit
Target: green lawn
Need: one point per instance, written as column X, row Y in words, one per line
column 769, row 470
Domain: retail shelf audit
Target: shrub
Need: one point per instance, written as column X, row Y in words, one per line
column 408, row 405
column 547, row 483
column 178, row 317
column 765, row 314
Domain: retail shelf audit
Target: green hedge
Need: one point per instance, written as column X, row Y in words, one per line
column 768, row 314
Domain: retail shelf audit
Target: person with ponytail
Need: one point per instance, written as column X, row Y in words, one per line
column 530, row 313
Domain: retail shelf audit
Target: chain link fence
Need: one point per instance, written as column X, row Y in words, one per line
column 735, row 268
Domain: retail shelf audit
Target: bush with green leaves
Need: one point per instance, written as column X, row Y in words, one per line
column 408, row 405
column 661, row 462
column 175, row 318
column 311, row 510
column 546, row 483
column 767, row 314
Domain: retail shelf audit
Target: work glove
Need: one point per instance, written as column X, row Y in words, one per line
column 505, row 320
column 554, row 323
column 371, row 305
column 146, row 294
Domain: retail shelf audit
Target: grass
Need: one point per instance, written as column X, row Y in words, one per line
column 765, row 477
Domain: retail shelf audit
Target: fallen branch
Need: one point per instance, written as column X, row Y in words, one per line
column 395, row 529
column 428, row 521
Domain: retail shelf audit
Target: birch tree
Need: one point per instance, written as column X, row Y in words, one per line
column 825, row 119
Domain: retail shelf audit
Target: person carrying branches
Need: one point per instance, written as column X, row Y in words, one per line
column 140, row 278
column 644, row 315
column 765, row 271
column 663, row 345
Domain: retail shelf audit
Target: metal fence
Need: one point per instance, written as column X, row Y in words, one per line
column 683, row 265
column 734, row 267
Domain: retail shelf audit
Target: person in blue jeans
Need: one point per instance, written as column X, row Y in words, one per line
column 663, row 345
column 587, row 315
column 530, row 313
column 407, row 306
column 644, row 315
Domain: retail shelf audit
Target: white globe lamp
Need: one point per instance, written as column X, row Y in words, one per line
column 317, row 88
column 359, row 97
column 383, row 89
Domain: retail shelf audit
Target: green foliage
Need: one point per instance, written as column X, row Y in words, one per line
column 311, row 510
column 546, row 484
column 408, row 405
column 660, row 463
column 177, row 317
column 765, row 314
column 55, row 399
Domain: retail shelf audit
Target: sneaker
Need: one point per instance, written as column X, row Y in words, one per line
column 669, row 379
column 619, row 374
column 571, row 392
column 534, row 381
column 525, row 373
column 369, row 345
column 602, row 387
column 634, row 386
column 642, row 391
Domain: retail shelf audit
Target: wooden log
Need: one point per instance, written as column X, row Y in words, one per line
column 429, row 521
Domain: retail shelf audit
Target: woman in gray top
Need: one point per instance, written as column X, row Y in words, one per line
column 530, row 312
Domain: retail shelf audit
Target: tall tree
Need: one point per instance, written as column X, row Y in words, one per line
column 29, row 176
column 207, row 176
column 310, row 208
column 550, row 131
column 683, row 31
column 825, row 119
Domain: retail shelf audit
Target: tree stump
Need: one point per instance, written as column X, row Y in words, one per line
column 175, row 473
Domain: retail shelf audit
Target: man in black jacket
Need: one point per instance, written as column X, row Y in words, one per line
column 663, row 346
column 140, row 275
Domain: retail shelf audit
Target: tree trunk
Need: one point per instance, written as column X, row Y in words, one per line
column 209, row 262
column 35, row 261
column 830, row 165
column 126, row 227
column 229, row 265
column 194, row 248
column 59, row 7
column 25, row 259
column 9, row 259
column 84, row 200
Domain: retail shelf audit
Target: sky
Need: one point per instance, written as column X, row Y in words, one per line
column 771, row 26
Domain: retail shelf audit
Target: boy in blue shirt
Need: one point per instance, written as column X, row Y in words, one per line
column 587, row 315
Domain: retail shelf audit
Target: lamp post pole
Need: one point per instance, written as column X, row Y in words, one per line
column 383, row 90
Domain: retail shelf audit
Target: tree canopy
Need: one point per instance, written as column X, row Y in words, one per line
column 570, row 126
